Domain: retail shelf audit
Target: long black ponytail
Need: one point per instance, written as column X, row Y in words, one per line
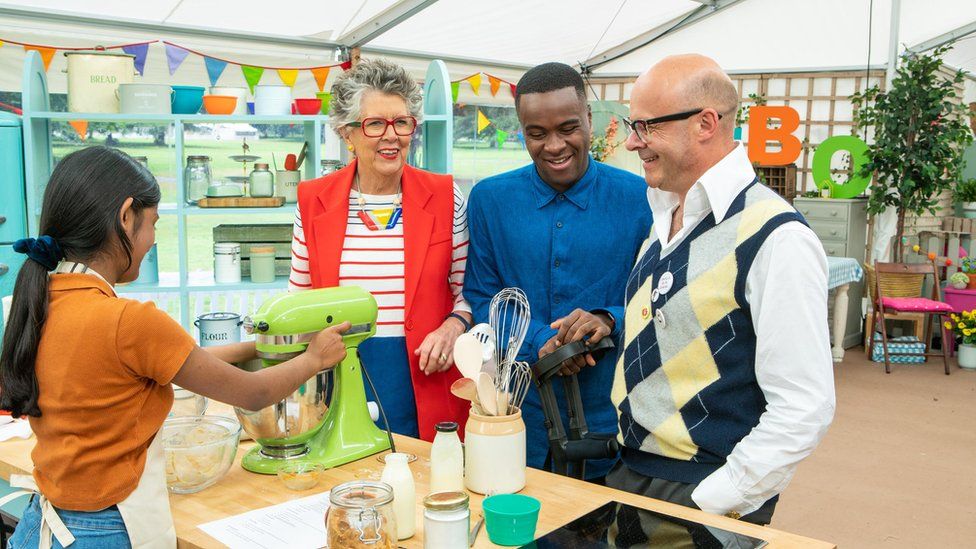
column 80, row 214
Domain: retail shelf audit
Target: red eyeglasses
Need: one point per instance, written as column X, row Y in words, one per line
column 376, row 126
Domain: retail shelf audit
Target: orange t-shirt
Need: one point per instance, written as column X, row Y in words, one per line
column 104, row 365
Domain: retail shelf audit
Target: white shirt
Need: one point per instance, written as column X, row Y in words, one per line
column 786, row 289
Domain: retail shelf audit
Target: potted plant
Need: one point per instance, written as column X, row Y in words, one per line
column 968, row 266
column 959, row 281
column 964, row 325
column 965, row 196
column 920, row 134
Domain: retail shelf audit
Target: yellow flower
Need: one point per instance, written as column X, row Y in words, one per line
column 961, row 325
column 967, row 332
column 954, row 317
column 948, row 325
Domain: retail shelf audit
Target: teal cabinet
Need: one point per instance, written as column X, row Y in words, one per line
column 13, row 220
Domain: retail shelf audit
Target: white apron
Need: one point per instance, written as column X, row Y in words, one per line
column 146, row 512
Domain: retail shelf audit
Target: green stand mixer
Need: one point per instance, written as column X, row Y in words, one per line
column 326, row 420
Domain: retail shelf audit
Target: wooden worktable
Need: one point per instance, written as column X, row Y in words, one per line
column 563, row 499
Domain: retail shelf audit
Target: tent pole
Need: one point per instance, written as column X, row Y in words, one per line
column 893, row 43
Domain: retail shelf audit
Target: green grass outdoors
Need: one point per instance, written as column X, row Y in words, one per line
column 469, row 165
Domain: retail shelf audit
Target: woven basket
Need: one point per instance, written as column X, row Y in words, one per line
column 895, row 285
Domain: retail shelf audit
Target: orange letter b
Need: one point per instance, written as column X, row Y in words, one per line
column 760, row 134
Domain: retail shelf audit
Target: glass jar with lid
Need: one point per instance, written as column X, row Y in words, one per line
column 261, row 181
column 360, row 515
column 197, row 178
column 446, row 520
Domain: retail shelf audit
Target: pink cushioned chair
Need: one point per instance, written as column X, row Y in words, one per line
column 920, row 305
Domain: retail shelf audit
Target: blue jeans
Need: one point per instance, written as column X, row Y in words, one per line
column 95, row 530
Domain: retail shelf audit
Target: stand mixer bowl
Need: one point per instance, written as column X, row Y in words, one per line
column 283, row 429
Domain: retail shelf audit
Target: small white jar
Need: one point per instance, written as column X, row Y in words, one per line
column 447, row 520
column 227, row 262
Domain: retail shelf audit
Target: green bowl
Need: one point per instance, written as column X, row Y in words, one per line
column 510, row 519
column 326, row 98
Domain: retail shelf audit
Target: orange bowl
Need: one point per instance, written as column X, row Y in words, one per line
column 219, row 104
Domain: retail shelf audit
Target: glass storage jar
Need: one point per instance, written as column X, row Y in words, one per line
column 197, row 178
column 261, row 181
column 360, row 515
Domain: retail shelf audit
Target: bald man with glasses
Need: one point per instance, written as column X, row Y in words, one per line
column 725, row 381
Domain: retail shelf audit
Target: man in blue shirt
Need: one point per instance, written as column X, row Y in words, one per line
column 566, row 230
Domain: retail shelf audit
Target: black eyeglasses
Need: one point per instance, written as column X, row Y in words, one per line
column 376, row 126
column 640, row 127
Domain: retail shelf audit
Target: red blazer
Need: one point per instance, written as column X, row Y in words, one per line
column 428, row 231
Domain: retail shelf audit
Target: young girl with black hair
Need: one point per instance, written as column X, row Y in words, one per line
column 93, row 371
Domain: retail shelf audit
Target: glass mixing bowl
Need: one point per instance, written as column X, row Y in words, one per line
column 198, row 450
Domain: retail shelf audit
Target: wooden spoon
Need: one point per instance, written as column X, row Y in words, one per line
column 465, row 388
column 487, row 395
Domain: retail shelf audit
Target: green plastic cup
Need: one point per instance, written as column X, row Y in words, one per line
column 326, row 98
column 510, row 519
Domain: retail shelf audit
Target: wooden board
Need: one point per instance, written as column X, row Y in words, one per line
column 241, row 202
column 563, row 499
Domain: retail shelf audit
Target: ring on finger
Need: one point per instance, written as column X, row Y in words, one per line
column 443, row 357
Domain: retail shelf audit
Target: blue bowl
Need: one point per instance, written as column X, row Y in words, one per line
column 187, row 99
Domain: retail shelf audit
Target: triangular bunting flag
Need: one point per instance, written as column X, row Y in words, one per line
column 140, row 51
column 175, row 56
column 80, row 126
column 346, row 65
column 494, row 82
column 1, row 43
column 288, row 76
column 475, row 81
column 252, row 75
column 455, row 88
column 500, row 137
column 321, row 74
column 47, row 54
column 483, row 121
column 513, row 89
column 215, row 67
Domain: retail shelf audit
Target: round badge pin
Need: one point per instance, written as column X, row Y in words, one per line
column 665, row 283
column 654, row 295
column 646, row 312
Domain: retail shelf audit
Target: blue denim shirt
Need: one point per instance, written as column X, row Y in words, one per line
column 566, row 251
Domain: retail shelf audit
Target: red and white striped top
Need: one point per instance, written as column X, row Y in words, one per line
column 374, row 260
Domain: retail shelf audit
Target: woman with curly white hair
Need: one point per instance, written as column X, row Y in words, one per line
column 397, row 231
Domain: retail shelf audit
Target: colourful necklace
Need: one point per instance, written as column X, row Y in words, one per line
column 369, row 220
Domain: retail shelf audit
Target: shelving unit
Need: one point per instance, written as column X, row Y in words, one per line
column 37, row 117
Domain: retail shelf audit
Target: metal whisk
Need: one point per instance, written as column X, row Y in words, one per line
column 508, row 316
column 519, row 379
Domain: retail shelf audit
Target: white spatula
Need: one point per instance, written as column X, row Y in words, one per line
column 486, row 335
column 467, row 355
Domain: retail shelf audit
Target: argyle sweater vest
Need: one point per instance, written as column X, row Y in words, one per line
column 685, row 385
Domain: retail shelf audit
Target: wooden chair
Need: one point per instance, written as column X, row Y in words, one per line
column 919, row 305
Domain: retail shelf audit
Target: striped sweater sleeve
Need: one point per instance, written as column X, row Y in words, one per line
column 459, row 254
column 299, row 278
